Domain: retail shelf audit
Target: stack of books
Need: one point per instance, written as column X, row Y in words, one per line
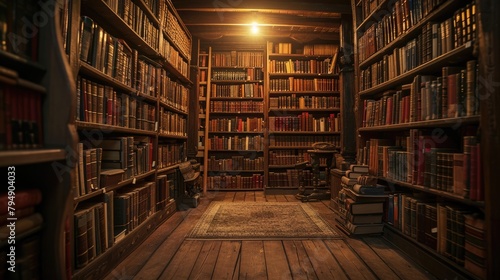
column 361, row 202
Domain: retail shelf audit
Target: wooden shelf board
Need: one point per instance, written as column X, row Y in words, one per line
column 315, row 75
column 440, row 193
column 235, row 81
column 21, row 157
column 89, row 70
column 112, row 128
column 305, row 92
column 232, row 190
column 448, row 122
column 319, row 110
column 306, row 132
column 236, row 98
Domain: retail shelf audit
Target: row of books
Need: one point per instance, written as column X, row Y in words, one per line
column 152, row 80
column 305, row 122
column 173, row 93
column 136, row 19
column 453, row 231
column 236, row 124
column 291, row 157
column 302, row 84
column 428, row 45
column 238, row 59
column 433, row 164
column 236, row 107
column 172, row 123
column 20, row 118
column 101, row 104
column 307, row 49
column 126, row 156
column 169, row 154
column 241, row 90
column 293, row 101
column 290, row 178
column 108, row 54
column 437, row 38
column 100, row 225
column 302, row 140
column 299, row 66
column 236, row 143
column 165, row 190
column 254, row 181
column 235, row 163
column 455, row 94
column 173, row 56
column 14, row 17
column 245, row 74
column 175, row 31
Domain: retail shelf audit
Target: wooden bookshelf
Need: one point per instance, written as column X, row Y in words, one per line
column 234, row 92
column 302, row 89
column 411, row 173
column 143, row 114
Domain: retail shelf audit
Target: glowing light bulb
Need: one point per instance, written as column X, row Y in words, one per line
column 255, row 28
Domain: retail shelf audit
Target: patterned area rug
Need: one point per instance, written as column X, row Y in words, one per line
column 262, row 221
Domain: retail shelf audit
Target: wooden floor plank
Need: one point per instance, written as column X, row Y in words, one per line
column 298, row 260
column 253, row 264
column 276, row 262
column 167, row 247
column 291, row 198
column 164, row 253
column 353, row 266
column 133, row 264
column 182, row 263
column 281, row 198
column 323, row 262
column 207, row 258
column 372, row 260
column 236, row 274
column 229, row 196
column 260, row 196
column 239, row 196
column 227, row 259
column 404, row 268
column 271, row 197
column 250, row 196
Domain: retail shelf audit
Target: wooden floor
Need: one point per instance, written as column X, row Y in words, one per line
column 167, row 255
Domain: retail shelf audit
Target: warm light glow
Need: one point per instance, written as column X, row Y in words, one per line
column 255, row 28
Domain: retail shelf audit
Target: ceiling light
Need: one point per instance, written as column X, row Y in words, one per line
column 254, row 28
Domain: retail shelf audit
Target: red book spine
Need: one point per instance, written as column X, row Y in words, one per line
column 23, row 199
column 473, row 175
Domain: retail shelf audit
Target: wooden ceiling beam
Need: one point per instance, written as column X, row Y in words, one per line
column 338, row 6
column 214, row 19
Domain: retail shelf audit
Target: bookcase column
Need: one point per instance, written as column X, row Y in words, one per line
column 348, row 124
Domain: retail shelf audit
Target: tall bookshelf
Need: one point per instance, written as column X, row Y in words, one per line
column 418, row 117
column 303, row 108
column 37, row 139
column 234, row 127
column 202, row 90
column 132, row 83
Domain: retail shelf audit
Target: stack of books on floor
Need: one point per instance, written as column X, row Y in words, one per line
column 361, row 202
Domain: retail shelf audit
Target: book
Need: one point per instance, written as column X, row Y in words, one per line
column 364, row 218
column 22, row 199
column 111, row 177
column 369, row 190
column 364, row 207
column 364, row 228
column 359, row 168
